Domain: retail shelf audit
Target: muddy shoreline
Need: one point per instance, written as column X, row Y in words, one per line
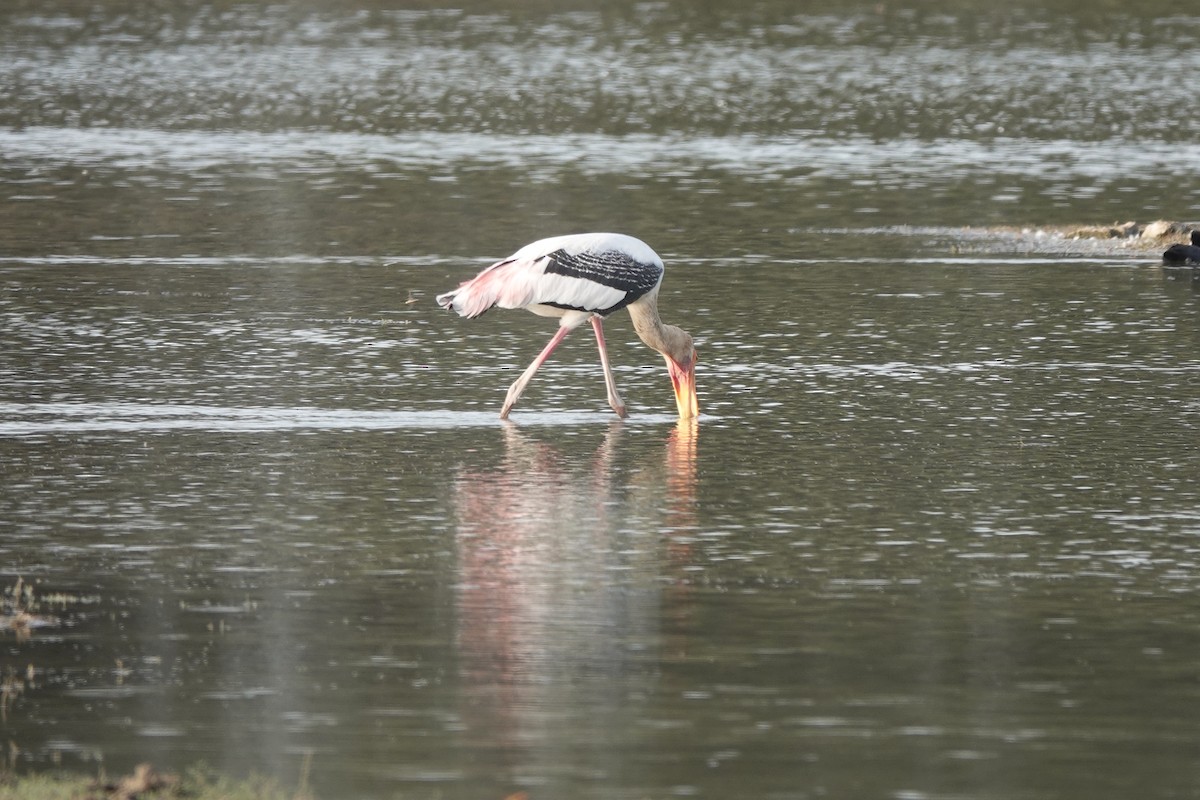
column 1133, row 239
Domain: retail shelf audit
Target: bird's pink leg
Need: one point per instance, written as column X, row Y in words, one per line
column 514, row 391
column 614, row 399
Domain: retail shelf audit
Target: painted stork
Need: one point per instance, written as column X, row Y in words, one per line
column 580, row 278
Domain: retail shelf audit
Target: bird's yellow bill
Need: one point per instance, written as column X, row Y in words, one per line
column 683, row 379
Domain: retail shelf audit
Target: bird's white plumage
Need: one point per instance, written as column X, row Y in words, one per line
column 575, row 292
column 576, row 243
column 522, row 279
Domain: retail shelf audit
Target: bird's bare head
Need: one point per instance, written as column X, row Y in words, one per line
column 679, row 351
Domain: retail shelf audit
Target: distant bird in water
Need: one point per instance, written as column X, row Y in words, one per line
column 1184, row 253
column 579, row 278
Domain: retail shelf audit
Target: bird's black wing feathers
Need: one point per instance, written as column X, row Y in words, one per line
column 611, row 268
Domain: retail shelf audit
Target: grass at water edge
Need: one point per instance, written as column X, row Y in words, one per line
column 197, row 783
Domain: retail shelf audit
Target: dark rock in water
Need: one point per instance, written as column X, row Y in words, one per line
column 1184, row 253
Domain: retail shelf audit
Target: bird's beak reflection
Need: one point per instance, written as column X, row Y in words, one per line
column 683, row 379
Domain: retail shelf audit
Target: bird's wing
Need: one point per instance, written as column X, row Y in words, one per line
column 585, row 273
column 596, row 280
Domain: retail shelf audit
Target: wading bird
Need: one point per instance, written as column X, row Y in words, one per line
column 580, row 278
column 1184, row 253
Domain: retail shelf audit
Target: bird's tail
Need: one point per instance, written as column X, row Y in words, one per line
column 466, row 301
column 448, row 301
column 488, row 288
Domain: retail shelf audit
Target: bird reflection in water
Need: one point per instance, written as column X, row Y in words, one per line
column 565, row 565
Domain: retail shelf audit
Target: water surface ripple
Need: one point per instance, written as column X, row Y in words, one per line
column 936, row 533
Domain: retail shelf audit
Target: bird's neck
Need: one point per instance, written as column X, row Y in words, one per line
column 649, row 326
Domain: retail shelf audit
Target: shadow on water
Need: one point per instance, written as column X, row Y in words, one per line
column 564, row 560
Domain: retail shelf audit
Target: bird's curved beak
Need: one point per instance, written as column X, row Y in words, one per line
column 683, row 379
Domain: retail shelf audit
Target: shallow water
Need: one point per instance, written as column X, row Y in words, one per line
column 935, row 534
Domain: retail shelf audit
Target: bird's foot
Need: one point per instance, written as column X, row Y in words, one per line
column 510, row 399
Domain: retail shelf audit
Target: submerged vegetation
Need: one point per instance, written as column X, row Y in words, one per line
column 23, row 610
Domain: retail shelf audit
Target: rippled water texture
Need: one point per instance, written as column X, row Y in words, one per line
column 936, row 533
